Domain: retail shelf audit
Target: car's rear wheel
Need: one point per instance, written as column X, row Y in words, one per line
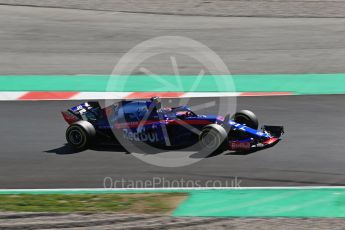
column 80, row 135
column 246, row 117
column 213, row 139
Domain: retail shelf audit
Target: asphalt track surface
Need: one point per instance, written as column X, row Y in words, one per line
column 34, row 155
column 69, row 41
column 213, row 8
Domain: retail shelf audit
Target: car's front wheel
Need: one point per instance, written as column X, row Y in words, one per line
column 246, row 117
column 213, row 138
column 80, row 135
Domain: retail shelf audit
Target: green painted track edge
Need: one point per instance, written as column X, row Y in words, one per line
column 299, row 84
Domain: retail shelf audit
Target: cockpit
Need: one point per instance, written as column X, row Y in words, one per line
column 181, row 112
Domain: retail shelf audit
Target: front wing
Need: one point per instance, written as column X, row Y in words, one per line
column 272, row 135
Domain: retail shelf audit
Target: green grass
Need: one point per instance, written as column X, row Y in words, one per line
column 162, row 203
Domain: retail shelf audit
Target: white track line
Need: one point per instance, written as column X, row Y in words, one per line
column 11, row 96
column 100, row 95
column 168, row 189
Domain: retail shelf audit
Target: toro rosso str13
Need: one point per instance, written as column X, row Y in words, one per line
column 147, row 122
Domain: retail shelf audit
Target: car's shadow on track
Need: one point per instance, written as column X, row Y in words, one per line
column 241, row 153
column 67, row 149
column 64, row 150
column 202, row 155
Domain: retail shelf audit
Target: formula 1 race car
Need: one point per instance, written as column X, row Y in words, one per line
column 147, row 122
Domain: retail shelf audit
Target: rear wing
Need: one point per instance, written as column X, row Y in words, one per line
column 77, row 113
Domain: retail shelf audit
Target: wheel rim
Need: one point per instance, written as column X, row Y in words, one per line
column 209, row 140
column 75, row 137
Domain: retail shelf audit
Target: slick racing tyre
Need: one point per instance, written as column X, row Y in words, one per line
column 213, row 139
column 80, row 135
column 246, row 117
